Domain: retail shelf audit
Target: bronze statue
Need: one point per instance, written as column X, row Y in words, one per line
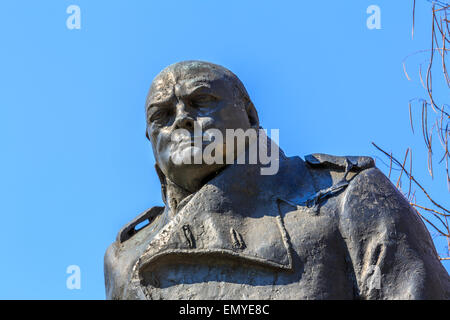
column 326, row 227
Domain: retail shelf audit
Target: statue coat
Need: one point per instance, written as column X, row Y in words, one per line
column 325, row 227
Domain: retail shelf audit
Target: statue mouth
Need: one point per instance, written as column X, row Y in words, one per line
column 186, row 151
column 193, row 142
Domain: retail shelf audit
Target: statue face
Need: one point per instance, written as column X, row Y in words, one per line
column 187, row 94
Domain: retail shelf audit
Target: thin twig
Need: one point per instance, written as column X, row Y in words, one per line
column 415, row 181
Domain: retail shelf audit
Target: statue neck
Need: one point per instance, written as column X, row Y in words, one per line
column 175, row 196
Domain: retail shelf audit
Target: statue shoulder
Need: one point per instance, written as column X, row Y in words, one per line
column 132, row 227
column 328, row 161
column 121, row 254
column 328, row 170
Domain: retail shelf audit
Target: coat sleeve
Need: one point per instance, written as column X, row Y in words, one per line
column 111, row 273
column 391, row 252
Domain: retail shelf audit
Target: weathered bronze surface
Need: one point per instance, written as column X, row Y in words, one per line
column 326, row 227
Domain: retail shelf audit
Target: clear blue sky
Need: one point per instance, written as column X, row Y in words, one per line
column 75, row 164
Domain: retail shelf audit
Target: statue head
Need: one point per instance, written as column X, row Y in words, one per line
column 189, row 94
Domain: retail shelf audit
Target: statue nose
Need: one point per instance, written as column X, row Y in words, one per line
column 184, row 122
column 183, row 119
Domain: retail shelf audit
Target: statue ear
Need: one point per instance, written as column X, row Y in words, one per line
column 252, row 115
column 162, row 180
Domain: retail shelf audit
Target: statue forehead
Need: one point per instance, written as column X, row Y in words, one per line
column 188, row 73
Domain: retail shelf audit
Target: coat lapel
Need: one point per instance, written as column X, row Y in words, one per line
column 237, row 220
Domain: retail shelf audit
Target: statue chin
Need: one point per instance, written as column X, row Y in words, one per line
column 185, row 167
column 191, row 176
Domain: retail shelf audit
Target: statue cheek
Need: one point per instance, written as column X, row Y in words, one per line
column 160, row 141
column 153, row 132
column 206, row 122
column 228, row 111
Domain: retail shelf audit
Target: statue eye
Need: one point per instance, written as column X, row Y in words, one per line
column 160, row 116
column 203, row 100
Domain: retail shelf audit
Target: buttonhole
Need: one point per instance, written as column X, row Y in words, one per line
column 141, row 225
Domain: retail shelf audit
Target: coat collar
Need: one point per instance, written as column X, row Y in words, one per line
column 236, row 216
